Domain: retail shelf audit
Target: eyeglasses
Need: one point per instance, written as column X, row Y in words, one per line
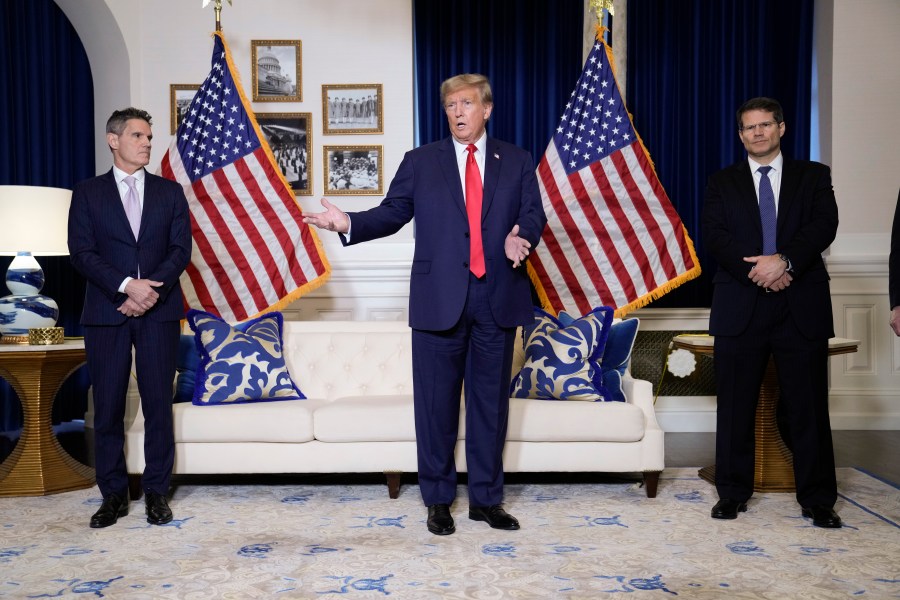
column 762, row 126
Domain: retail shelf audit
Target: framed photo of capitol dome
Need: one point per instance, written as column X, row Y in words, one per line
column 276, row 67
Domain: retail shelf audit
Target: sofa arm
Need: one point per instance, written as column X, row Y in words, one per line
column 640, row 393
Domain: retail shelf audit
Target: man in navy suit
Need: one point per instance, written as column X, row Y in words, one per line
column 130, row 237
column 468, row 292
column 771, row 297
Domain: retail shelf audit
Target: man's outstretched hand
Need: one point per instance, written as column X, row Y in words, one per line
column 517, row 248
column 333, row 219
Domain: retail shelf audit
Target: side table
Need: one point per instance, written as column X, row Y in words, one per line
column 774, row 462
column 38, row 465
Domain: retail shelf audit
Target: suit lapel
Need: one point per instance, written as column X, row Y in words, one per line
column 790, row 184
column 749, row 201
column 113, row 201
column 450, row 169
column 491, row 174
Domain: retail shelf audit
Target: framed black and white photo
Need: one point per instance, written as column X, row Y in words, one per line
column 352, row 108
column 276, row 67
column 180, row 96
column 290, row 137
column 353, row 170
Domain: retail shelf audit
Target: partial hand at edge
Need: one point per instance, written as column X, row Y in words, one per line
column 332, row 219
column 516, row 248
column 895, row 320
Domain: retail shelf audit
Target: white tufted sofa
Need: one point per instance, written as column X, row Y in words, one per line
column 359, row 419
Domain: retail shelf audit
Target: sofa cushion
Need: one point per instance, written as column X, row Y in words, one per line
column 366, row 419
column 562, row 361
column 241, row 363
column 279, row 422
column 536, row 421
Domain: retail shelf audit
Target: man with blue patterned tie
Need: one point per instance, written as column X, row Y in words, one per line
column 130, row 237
column 766, row 221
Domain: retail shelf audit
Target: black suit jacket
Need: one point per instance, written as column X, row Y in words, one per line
column 807, row 224
column 103, row 249
column 427, row 186
column 894, row 261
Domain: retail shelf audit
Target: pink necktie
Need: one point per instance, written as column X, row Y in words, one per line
column 473, row 210
column 133, row 205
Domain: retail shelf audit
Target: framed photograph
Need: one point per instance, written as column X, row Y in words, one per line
column 290, row 137
column 180, row 96
column 353, row 170
column 276, row 70
column 352, row 108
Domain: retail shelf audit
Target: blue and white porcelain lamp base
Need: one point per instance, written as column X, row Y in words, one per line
column 25, row 308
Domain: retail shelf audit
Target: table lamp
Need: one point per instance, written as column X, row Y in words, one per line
column 33, row 222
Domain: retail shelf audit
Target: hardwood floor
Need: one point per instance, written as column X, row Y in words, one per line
column 875, row 451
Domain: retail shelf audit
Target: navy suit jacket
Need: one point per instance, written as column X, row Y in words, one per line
column 427, row 186
column 807, row 224
column 103, row 249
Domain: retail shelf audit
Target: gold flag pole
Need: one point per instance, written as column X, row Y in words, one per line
column 597, row 7
column 217, row 5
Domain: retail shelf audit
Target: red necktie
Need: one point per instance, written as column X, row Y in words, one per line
column 473, row 210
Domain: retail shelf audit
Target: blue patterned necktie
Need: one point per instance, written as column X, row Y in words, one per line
column 767, row 213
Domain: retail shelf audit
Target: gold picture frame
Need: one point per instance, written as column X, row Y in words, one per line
column 180, row 96
column 289, row 136
column 353, row 170
column 352, row 108
column 277, row 70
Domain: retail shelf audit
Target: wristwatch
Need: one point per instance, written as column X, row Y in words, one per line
column 790, row 267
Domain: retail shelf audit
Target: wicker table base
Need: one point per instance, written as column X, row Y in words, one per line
column 38, row 465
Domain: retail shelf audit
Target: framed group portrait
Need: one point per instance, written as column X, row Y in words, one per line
column 276, row 67
column 289, row 136
column 352, row 108
column 353, row 170
column 180, row 96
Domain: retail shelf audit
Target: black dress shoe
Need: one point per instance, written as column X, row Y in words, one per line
column 495, row 516
column 728, row 509
column 440, row 521
column 113, row 507
column 158, row 511
column 823, row 516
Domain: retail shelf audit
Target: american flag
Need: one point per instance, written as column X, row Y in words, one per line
column 612, row 236
column 251, row 250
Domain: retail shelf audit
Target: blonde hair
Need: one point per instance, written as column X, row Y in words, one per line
column 458, row 82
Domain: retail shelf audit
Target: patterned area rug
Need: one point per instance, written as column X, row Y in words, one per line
column 587, row 540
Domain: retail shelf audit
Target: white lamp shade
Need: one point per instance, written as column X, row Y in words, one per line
column 34, row 219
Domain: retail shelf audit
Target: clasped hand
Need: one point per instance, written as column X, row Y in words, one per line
column 141, row 297
column 769, row 272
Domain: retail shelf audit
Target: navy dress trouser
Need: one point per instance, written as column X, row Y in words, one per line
column 478, row 352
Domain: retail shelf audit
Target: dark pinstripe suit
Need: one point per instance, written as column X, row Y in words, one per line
column 104, row 251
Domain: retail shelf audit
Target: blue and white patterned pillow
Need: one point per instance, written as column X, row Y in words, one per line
column 241, row 363
column 616, row 355
column 562, row 361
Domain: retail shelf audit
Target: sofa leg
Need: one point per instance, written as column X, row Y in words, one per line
column 393, row 483
column 651, row 481
column 134, row 486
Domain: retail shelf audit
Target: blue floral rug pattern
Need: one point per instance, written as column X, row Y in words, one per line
column 588, row 540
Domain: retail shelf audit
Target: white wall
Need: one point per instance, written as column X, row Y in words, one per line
column 137, row 48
